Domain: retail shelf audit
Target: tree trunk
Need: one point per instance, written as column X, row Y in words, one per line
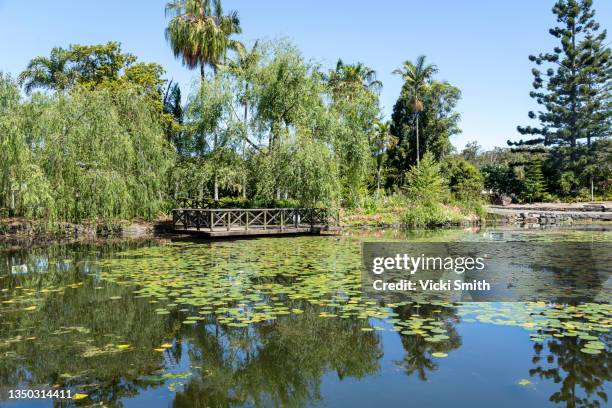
column 378, row 183
column 215, row 179
column 12, row 209
column 246, row 112
column 417, row 140
column 574, row 90
column 202, row 71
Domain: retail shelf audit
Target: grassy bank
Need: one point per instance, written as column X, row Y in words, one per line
column 397, row 211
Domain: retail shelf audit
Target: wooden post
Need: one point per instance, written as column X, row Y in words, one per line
column 211, row 219
column 246, row 225
column 282, row 216
column 228, row 218
column 265, row 214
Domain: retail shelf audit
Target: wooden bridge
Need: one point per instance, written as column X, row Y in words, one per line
column 264, row 221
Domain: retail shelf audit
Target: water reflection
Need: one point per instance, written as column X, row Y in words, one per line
column 419, row 349
column 62, row 324
column 68, row 337
column 581, row 377
column 276, row 364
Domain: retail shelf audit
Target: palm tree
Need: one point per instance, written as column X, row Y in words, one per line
column 172, row 106
column 417, row 77
column 348, row 77
column 200, row 33
column 52, row 73
column 171, row 102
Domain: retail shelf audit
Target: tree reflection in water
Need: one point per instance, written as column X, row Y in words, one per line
column 278, row 363
column 418, row 359
column 71, row 337
column 582, row 376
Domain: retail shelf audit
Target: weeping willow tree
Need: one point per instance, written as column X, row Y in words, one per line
column 303, row 169
column 314, row 172
column 23, row 187
column 284, row 138
column 211, row 140
column 89, row 155
column 355, row 120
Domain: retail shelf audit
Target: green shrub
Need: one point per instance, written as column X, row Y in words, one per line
column 501, row 179
column 465, row 180
column 427, row 189
column 233, row 202
column 429, row 214
column 371, row 204
column 471, row 208
column 425, row 184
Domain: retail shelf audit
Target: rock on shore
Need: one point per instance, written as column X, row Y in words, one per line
column 553, row 213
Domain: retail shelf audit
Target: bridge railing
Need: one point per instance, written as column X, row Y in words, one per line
column 253, row 218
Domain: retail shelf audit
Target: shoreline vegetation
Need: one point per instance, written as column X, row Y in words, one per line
column 92, row 138
column 531, row 215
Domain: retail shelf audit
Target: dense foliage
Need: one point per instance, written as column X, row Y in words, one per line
column 465, row 180
column 573, row 85
column 86, row 155
column 427, row 189
column 271, row 128
column 109, row 138
column 430, row 121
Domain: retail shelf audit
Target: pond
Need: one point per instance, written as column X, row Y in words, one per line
column 283, row 322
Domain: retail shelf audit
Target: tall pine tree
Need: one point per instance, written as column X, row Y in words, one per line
column 572, row 83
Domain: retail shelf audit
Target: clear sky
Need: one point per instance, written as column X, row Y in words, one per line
column 481, row 46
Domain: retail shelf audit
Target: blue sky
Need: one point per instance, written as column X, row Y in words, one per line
column 481, row 46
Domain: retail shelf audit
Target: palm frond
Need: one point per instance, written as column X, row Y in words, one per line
column 200, row 34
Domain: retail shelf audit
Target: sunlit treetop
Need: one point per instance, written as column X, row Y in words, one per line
column 200, row 33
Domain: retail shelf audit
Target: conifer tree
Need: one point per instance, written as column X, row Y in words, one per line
column 535, row 187
column 572, row 83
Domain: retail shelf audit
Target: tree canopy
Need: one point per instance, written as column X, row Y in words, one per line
column 439, row 121
column 572, row 83
column 200, row 33
column 91, row 66
column 109, row 137
column 92, row 154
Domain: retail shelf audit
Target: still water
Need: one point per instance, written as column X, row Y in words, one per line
column 283, row 322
